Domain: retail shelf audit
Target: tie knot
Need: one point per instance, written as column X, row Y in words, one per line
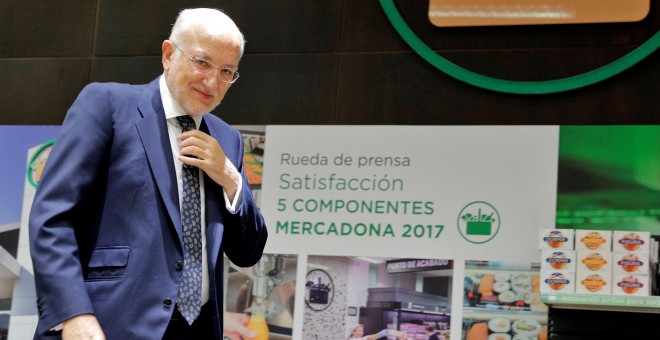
column 186, row 122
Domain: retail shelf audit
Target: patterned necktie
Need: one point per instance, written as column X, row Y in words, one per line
column 190, row 288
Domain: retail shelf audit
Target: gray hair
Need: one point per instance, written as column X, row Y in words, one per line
column 203, row 16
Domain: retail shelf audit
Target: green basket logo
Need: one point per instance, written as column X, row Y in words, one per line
column 478, row 222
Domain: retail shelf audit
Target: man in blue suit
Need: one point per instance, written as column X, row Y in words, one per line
column 106, row 231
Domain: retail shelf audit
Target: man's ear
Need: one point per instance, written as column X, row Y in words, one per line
column 168, row 50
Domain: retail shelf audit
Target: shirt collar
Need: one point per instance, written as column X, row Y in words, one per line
column 171, row 107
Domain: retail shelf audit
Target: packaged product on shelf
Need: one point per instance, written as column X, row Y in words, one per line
column 630, row 263
column 593, row 262
column 557, row 282
column 600, row 240
column 592, row 283
column 631, row 241
column 558, row 260
column 556, row 239
column 631, row 285
column 655, row 282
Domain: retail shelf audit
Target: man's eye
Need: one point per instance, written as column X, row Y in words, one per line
column 227, row 71
column 201, row 63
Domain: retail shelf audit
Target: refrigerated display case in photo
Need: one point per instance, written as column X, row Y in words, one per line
column 405, row 310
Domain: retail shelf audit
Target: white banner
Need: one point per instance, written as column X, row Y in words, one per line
column 455, row 192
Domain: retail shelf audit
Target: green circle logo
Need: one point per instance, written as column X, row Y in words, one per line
column 509, row 86
column 38, row 161
column 478, row 222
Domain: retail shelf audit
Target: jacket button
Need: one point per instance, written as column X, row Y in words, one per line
column 178, row 265
column 167, row 302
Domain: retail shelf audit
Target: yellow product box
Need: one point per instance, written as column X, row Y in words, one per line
column 556, row 239
column 593, row 262
column 556, row 282
column 631, row 241
column 558, row 260
column 630, row 263
column 600, row 240
column 593, row 283
column 631, row 285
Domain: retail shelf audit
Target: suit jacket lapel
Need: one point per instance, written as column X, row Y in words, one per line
column 155, row 140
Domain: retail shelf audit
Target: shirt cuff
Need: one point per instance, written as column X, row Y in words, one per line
column 238, row 198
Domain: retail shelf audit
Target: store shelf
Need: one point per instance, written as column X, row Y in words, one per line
column 488, row 313
column 640, row 304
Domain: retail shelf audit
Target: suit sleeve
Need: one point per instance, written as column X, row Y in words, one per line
column 63, row 207
column 245, row 232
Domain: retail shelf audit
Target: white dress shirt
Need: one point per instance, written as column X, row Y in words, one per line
column 173, row 110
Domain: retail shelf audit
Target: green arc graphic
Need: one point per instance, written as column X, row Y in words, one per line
column 36, row 154
column 510, row 86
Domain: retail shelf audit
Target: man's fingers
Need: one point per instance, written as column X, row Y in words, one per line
column 194, row 134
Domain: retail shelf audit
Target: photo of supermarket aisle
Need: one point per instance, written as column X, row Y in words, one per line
column 254, row 144
column 377, row 298
column 501, row 301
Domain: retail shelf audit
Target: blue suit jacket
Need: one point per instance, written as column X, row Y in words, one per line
column 105, row 225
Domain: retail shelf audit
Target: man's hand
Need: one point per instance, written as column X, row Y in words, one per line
column 234, row 326
column 203, row 151
column 84, row 326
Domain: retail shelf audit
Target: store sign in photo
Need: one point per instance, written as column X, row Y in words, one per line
column 453, row 192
